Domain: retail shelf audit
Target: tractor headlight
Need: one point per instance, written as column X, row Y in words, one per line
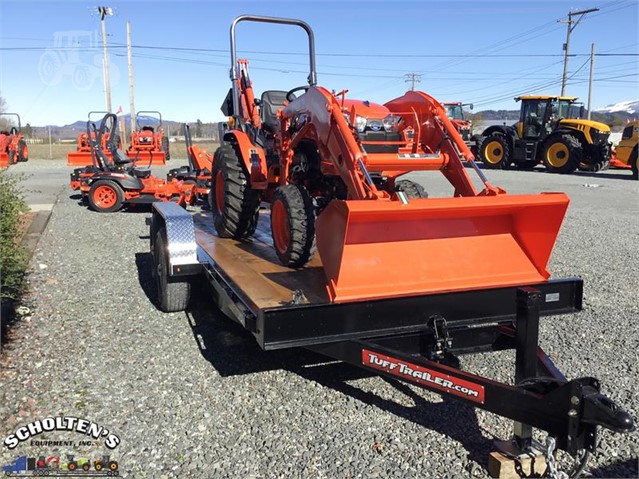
column 390, row 123
column 360, row 123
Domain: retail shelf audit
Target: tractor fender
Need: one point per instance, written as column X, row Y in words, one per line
column 508, row 131
column 181, row 248
column 127, row 182
column 252, row 156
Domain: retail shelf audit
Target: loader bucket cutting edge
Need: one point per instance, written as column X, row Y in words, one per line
column 382, row 249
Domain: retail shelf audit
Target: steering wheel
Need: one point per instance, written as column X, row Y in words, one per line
column 289, row 94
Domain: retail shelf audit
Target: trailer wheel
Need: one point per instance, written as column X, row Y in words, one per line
column 494, row 152
column 165, row 148
column 634, row 163
column 411, row 189
column 106, row 196
column 23, row 151
column 562, row 154
column 293, row 225
column 234, row 204
column 173, row 293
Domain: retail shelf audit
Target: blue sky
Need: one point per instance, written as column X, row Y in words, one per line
column 480, row 52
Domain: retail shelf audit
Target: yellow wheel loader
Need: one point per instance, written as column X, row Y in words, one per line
column 549, row 131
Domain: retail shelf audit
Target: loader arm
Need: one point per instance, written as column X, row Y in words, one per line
column 335, row 139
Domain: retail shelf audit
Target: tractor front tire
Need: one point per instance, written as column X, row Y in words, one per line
column 634, row 164
column 494, row 152
column 106, row 196
column 598, row 161
column 173, row 293
column 411, row 189
column 165, row 148
column 293, row 225
column 12, row 157
column 23, row 151
column 234, row 204
column 562, row 154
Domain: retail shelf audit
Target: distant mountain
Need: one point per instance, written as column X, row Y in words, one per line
column 629, row 106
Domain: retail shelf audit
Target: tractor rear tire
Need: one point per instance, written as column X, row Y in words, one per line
column 562, row 154
column 173, row 293
column 234, row 204
column 166, row 148
column 494, row 152
column 293, row 225
column 23, row 151
column 106, row 196
column 634, row 164
column 411, row 189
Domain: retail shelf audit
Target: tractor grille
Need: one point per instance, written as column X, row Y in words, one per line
column 599, row 137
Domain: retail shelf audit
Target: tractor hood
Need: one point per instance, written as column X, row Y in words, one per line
column 585, row 124
column 367, row 109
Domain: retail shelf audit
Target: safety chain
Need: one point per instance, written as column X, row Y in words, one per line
column 550, row 460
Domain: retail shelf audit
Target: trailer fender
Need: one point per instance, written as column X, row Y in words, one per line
column 181, row 249
column 251, row 155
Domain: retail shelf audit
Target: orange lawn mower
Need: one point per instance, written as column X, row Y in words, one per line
column 198, row 171
column 82, row 155
column 13, row 147
column 109, row 185
column 148, row 143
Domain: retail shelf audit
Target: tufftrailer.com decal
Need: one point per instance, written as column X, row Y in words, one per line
column 421, row 375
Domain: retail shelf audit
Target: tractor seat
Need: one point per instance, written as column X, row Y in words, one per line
column 147, row 128
column 271, row 101
column 120, row 158
column 141, row 172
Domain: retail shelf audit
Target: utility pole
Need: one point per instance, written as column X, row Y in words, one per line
column 129, row 50
column 105, row 12
column 413, row 78
column 592, row 70
column 571, row 26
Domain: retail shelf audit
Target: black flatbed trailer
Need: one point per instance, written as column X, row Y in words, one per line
column 415, row 338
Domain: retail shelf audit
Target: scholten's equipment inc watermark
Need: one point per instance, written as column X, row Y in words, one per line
column 75, row 54
column 62, row 424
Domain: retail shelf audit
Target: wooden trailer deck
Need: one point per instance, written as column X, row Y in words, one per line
column 253, row 265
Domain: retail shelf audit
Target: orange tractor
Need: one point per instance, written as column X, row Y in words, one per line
column 148, row 143
column 82, row 155
column 455, row 111
column 329, row 168
column 13, row 147
column 110, row 184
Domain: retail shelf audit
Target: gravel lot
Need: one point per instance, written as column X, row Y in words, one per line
column 191, row 395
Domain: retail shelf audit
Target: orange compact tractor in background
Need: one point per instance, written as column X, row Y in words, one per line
column 198, row 170
column 13, row 147
column 82, row 155
column 455, row 111
column 330, row 169
column 149, row 146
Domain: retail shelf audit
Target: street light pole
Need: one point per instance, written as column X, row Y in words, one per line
column 571, row 26
column 105, row 12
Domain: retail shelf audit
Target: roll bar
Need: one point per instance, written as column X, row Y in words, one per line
column 312, row 76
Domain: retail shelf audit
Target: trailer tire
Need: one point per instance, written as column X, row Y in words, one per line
column 411, row 189
column 562, row 154
column 106, row 196
column 234, row 204
column 494, row 152
column 173, row 293
column 166, row 148
column 293, row 225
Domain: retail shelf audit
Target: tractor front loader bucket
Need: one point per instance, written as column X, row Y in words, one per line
column 382, row 249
